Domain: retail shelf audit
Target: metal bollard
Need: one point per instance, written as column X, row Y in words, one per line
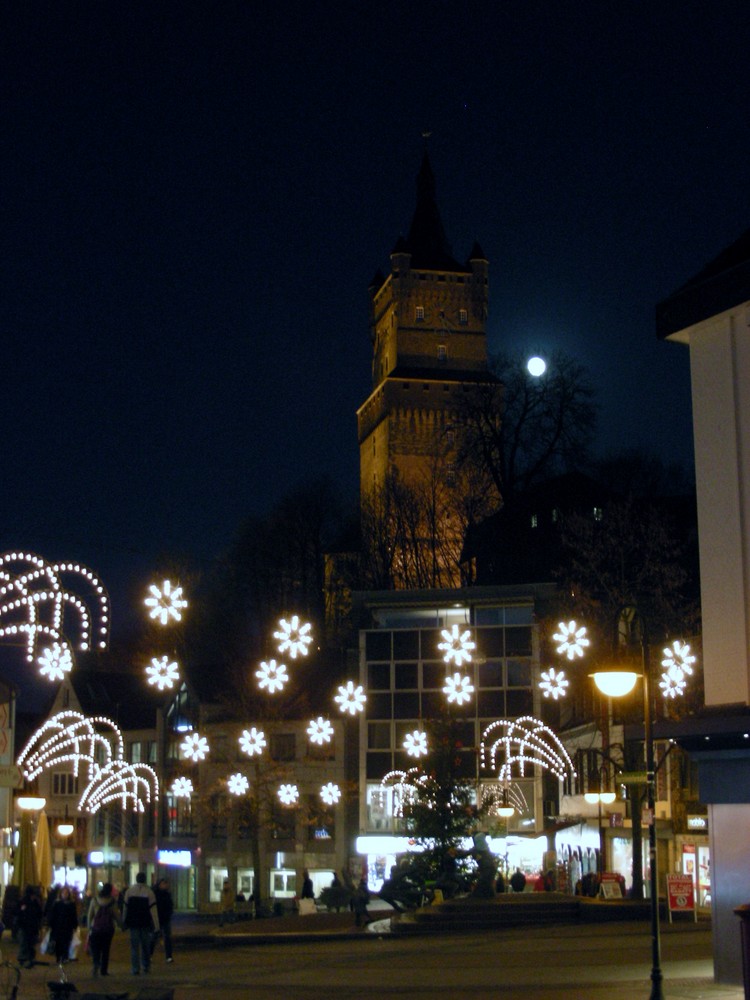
column 743, row 912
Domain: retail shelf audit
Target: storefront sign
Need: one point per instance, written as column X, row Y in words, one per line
column 180, row 859
column 100, row 858
column 10, row 775
column 681, row 894
column 697, row 822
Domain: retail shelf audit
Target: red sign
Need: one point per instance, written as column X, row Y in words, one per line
column 680, row 892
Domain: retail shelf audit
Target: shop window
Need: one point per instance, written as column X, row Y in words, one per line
column 378, row 735
column 519, row 673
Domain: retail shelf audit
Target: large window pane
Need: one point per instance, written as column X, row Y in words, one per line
column 378, row 676
column 406, row 706
column 406, row 645
column 378, row 645
column 519, row 673
column 407, row 676
column 518, row 641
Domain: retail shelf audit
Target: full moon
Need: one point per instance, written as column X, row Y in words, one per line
column 536, row 366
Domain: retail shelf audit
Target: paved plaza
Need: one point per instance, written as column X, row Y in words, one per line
column 564, row 963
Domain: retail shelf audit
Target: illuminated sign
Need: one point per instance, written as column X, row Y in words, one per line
column 100, row 858
column 697, row 822
column 182, row 859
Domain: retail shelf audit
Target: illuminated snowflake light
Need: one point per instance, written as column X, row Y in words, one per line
column 572, row 639
column 238, row 784
column 163, row 673
column 55, row 661
column 415, row 743
column 182, row 788
column 457, row 646
column 554, row 683
column 272, row 675
column 194, row 747
column 458, row 689
column 288, row 794
column 252, row 741
column 165, row 603
column 293, row 637
column 673, row 682
column 351, row 698
column 39, row 601
column 320, row 731
column 330, row 793
column 679, row 656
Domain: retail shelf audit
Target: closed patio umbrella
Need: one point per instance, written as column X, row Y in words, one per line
column 43, row 852
column 25, row 871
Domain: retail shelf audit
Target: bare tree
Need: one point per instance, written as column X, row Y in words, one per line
column 523, row 429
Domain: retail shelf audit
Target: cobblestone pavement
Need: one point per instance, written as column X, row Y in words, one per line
column 564, row 963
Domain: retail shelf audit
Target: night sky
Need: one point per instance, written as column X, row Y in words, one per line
column 195, row 197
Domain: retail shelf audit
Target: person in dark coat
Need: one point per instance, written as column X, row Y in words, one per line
column 164, row 909
column 63, row 920
column 307, row 886
column 518, row 881
column 103, row 917
column 28, row 920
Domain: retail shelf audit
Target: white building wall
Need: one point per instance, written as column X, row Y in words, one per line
column 720, row 374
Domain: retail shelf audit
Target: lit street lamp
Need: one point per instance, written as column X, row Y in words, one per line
column 616, row 683
column 64, row 830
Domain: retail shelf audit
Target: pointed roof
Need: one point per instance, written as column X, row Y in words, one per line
column 720, row 285
column 427, row 242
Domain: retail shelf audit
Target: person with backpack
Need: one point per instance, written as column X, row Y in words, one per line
column 140, row 917
column 103, row 917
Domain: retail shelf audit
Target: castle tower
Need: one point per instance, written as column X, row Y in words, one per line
column 427, row 325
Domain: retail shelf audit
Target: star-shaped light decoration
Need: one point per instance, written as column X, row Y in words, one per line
column 320, row 731
column 165, row 603
column 458, row 688
column 182, row 788
column 56, row 661
column 252, row 741
column 678, row 656
column 288, row 794
column 351, row 698
column 678, row 665
column 456, row 646
column 272, row 675
column 194, row 747
column 163, row 672
column 415, row 743
column 293, row 637
column 237, row 784
column 554, row 683
column 572, row 639
column 330, row 793
column 673, row 683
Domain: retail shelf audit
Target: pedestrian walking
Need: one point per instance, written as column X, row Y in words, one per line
column 227, row 904
column 360, row 901
column 28, row 921
column 164, row 909
column 103, row 917
column 141, row 919
column 63, row 920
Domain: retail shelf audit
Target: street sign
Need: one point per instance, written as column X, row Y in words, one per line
column 11, row 776
column 632, row 777
column 681, row 895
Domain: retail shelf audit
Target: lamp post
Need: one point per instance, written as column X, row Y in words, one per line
column 64, row 830
column 617, row 683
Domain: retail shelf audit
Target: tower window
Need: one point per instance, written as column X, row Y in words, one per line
column 463, row 317
column 420, row 313
column 598, row 513
column 534, row 521
column 442, row 352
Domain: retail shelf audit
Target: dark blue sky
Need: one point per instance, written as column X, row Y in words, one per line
column 196, row 196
